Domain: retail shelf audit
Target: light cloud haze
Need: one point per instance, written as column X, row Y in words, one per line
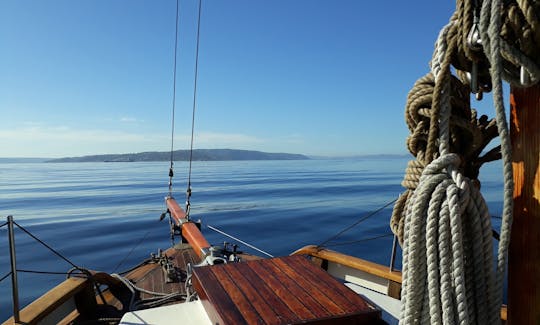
column 308, row 77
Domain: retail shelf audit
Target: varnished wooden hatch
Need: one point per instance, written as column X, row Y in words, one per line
column 285, row 290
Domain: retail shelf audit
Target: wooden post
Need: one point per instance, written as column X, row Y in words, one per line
column 524, row 253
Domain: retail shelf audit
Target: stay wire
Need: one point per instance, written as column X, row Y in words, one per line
column 42, row 272
column 47, row 246
column 171, row 172
column 5, row 223
column 131, row 251
column 239, row 240
column 357, row 223
column 188, row 191
column 359, row 240
column 5, row 276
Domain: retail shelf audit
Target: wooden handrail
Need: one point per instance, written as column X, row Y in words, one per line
column 190, row 231
column 47, row 304
column 350, row 261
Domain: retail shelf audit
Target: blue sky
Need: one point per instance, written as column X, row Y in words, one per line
column 312, row 77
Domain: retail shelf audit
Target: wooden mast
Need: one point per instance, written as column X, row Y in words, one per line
column 524, row 251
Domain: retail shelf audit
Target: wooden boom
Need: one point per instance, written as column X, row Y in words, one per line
column 190, row 231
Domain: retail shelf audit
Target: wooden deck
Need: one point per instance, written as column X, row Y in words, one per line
column 152, row 277
column 286, row 290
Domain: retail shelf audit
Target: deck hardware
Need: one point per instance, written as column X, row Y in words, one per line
column 190, row 293
column 524, row 77
column 215, row 255
column 163, row 215
column 479, row 95
column 171, row 275
column 473, row 78
column 233, row 257
column 474, row 41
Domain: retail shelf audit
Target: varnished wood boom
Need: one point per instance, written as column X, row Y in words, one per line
column 190, row 231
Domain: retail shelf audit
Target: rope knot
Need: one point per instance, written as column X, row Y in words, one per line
column 443, row 164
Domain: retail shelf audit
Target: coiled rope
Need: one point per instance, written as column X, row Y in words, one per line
column 442, row 220
column 158, row 300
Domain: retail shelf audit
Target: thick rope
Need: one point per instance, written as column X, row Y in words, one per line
column 442, row 219
column 490, row 25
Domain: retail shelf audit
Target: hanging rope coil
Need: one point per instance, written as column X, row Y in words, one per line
column 470, row 135
column 441, row 219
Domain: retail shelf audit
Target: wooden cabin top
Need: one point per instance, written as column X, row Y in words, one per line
column 285, row 290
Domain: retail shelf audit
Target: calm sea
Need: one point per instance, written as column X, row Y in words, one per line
column 101, row 214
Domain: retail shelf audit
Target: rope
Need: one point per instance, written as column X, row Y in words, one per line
column 4, row 224
column 161, row 299
column 490, row 26
column 171, row 171
column 442, row 219
column 188, row 191
column 156, row 302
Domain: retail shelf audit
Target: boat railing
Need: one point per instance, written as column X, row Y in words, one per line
column 356, row 270
column 13, row 268
column 364, row 273
column 57, row 304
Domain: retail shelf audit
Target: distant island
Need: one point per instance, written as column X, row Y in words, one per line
column 183, row 155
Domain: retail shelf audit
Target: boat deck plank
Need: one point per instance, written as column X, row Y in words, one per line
column 278, row 291
column 151, row 276
column 154, row 278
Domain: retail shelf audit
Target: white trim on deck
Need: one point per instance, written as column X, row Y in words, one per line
column 389, row 306
column 359, row 277
column 189, row 313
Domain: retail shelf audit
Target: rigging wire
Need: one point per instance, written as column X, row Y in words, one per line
column 131, row 251
column 171, row 171
column 43, row 272
column 188, row 191
column 357, row 222
column 239, row 240
column 359, row 240
column 47, row 246
column 5, row 276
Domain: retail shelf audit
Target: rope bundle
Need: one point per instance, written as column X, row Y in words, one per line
column 442, row 220
column 443, row 209
column 470, row 135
